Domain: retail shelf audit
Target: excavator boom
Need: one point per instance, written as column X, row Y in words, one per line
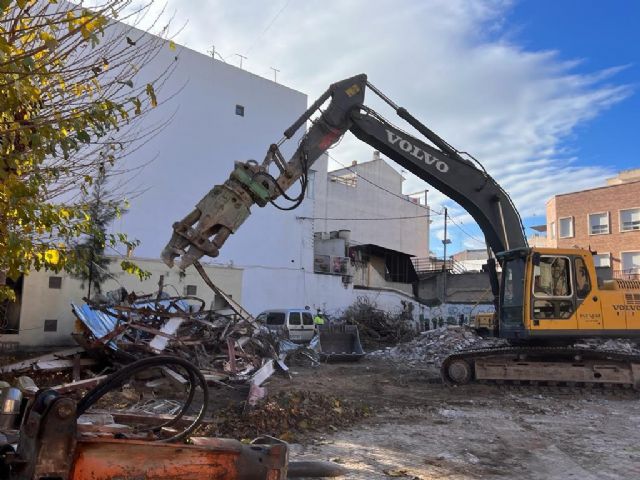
column 220, row 213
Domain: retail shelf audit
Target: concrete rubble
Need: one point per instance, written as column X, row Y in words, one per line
column 433, row 346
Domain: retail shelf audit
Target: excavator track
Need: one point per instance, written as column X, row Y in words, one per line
column 543, row 365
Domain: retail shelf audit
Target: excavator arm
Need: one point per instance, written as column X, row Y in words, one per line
column 204, row 230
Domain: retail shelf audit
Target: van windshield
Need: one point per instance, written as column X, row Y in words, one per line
column 275, row 318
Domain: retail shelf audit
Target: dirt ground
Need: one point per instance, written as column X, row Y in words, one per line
column 422, row 429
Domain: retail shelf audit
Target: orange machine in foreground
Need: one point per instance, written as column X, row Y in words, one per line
column 50, row 447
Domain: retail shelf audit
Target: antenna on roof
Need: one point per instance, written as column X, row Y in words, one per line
column 275, row 74
column 242, row 57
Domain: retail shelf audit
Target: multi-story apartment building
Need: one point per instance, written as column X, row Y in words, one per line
column 605, row 219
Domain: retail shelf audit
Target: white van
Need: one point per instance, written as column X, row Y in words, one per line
column 296, row 323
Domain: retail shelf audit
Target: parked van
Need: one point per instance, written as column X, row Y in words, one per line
column 295, row 323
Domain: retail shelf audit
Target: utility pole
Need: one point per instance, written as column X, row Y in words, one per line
column 445, row 242
column 242, row 57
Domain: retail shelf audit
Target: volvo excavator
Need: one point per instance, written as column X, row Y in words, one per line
column 545, row 299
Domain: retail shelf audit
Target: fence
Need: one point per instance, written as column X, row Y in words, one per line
column 629, row 274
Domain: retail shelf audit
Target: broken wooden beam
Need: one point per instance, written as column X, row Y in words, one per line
column 81, row 384
column 27, row 364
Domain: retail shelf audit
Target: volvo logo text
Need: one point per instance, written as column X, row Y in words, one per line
column 417, row 152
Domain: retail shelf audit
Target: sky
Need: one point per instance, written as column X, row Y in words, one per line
column 544, row 93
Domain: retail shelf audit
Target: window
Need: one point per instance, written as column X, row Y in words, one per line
column 307, row 318
column 598, row 223
column 551, row 278
column 583, row 282
column 566, row 227
column 275, row 318
column 630, row 219
column 294, row 318
column 55, row 282
column 191, row 290
column 311, row 184
column 602, row 260
column 512, row 292
column 51, row 325
column 630, row 262
column 552, row 288
column 240, row 110
column 552, row 230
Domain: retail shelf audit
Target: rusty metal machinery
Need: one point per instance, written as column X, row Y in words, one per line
column 49, row 445
column 50, row 448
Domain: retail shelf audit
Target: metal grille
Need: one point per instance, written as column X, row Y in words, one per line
column 632, row 298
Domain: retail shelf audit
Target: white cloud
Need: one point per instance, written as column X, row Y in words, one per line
column 445, row 61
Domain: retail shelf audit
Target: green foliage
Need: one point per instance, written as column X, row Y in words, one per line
column 57, row 109
column 92, row 262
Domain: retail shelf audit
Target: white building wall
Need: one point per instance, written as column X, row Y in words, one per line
column 197, row 150
column 42, row 303
column 364, row 200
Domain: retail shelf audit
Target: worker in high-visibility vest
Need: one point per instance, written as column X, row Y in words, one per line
column 318, row 319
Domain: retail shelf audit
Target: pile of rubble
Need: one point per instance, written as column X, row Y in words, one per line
column 227, row 346
column 288, row 416
column 623, row 345
column 433, row 346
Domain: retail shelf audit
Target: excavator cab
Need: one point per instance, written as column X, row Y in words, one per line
column 554, row 294
column 548, row 293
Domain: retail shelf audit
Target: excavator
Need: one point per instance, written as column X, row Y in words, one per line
column 545, row 299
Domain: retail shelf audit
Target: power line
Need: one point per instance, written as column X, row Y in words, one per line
column 465, row 232
column 402, row 197
column 266, row 29
column 361, row 219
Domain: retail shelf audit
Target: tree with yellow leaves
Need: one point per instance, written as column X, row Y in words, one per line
column 68, row 100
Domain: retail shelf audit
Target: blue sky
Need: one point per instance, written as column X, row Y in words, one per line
column 602, row 35
column 543, row 92
column 597, row 36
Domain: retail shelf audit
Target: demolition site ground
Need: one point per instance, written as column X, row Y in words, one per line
column 382, row 418
column 419, row 428
column 385, row 416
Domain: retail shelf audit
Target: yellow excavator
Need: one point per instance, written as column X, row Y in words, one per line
column 545, row 299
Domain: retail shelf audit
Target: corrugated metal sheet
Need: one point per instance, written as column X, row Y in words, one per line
column 100, row 323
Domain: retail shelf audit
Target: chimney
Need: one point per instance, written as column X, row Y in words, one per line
column 376, row 155
column 354, row 163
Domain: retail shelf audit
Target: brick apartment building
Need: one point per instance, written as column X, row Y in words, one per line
column 605, row 219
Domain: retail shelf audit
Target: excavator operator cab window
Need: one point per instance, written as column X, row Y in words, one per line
column 583, row 282
column 552, row 288
column 512, row 290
